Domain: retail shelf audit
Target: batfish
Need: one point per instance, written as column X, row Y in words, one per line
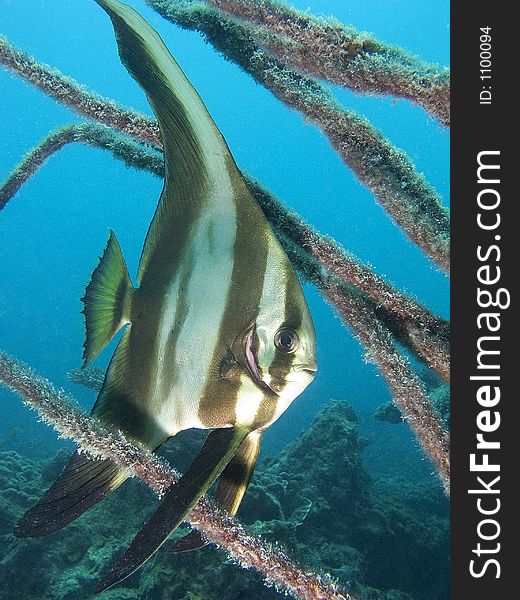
column 217, row 331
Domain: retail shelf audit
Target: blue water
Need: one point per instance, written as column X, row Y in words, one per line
column 52, row 232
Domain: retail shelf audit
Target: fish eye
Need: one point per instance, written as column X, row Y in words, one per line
column 286, row 340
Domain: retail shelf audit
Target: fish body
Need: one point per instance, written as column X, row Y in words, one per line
column 210, row 271
column 218, row 334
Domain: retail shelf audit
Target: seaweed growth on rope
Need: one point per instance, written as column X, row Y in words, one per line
column 287, row 52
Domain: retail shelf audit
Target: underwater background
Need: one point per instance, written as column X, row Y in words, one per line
column 345, row 493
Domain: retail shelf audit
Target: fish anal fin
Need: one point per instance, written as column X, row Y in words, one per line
column 235, row 478
column 83, row 483
column 218, row 449
column 107, row 300
column 232, row 485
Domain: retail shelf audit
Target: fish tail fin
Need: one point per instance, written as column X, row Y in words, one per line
column 83, row 483
column 218, row 449
column 232, row 486
column 107, row 300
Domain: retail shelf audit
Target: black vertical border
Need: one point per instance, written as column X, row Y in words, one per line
column 477, row 127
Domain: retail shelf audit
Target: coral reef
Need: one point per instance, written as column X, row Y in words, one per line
column 318, row 499
column 315, row 499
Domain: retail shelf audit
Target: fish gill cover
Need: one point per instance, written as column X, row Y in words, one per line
column 393, row 519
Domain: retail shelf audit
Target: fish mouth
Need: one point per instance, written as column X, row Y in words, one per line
column 252, row 365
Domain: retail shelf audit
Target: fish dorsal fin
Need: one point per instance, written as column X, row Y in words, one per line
column 195, row 151
column 107, row 300
column 232, row 486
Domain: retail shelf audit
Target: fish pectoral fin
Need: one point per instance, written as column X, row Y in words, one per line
column 218, row 449
column 107, row 300
column 232, row 486
column 83, row 483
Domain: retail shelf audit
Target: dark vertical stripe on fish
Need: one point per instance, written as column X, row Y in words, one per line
column 217, row 405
